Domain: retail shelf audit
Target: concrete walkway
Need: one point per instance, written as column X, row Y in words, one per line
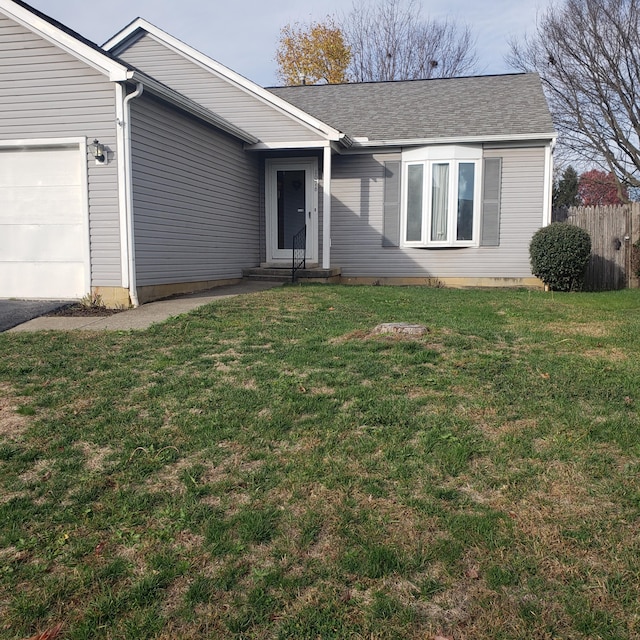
column 147, row 314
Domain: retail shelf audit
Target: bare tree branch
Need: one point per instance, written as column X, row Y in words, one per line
column 391, row 40
column 586, row 52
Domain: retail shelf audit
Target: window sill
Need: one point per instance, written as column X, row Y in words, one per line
column 439, row 247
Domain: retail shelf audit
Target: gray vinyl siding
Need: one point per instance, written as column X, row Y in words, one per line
column 47, row 93
column 195, row 198
column 214, row 92
column 357, row 223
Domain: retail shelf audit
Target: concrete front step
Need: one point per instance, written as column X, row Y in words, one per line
column 282, row 274
column 267, row 278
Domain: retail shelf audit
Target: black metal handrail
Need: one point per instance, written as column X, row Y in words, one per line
column 299, row 252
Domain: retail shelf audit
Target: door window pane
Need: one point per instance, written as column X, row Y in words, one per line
column 439, row 202
column 291, row 206
column 466, row 178
column 414, row 202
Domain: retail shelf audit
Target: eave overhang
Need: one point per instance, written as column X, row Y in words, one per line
column 424, row 142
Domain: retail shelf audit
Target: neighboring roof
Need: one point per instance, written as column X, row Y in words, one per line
column 484, row 107
column 139, row 27
column 117, row 70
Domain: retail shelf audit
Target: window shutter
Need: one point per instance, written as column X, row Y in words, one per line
column 391, row 213
column 491, row 192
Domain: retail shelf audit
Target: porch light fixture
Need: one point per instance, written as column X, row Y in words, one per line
column 98, row 151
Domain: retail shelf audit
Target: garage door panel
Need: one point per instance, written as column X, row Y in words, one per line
column 24, row 280
column 43, row 232
column 40, row 167
column 42, row 205
column 42, row 243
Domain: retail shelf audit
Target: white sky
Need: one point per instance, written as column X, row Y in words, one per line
column 243, row 34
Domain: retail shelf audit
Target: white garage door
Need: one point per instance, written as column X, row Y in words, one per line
column 43, row 243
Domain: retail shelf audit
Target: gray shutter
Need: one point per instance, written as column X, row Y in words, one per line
column 391, row 214
column 491, row 191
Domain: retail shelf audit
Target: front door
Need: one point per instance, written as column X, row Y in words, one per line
column 291, row 204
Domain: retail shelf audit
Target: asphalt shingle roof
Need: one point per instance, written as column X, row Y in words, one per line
column 506, row 105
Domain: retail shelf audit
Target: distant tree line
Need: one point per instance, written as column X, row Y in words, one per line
column 589, row 189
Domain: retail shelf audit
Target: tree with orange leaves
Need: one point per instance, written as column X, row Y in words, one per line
column 314, row 53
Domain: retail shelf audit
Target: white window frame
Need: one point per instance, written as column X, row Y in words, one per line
column 454, row 156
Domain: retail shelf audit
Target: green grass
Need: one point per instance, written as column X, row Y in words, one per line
column 265, row 468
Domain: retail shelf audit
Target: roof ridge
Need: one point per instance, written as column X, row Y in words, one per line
column 407, row 81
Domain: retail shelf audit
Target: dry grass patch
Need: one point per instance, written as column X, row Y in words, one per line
column 12, row 424
column 40, row 472
column 586, row 329
column 95, row 456
column 169, row 479
column 187, row 541
column 173, row 596
column 610, row 354
column 322, row 391
column 285, row 448
column 133, row 556
column 347, row 337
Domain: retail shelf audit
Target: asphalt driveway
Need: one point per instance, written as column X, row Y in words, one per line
column 15, row 312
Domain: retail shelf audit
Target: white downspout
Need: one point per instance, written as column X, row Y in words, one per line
column 131, row 252
column 326, row 208
column 548, row 183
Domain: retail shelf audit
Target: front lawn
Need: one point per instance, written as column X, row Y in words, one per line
column 266, row 468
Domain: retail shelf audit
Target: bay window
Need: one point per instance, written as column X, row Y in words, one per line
column 441, row 199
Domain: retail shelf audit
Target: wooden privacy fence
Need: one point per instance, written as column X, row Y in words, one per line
column 614, row 229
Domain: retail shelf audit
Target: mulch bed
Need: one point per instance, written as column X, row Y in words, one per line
column 82, row 311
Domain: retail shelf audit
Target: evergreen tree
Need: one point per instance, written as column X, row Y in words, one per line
column 565, row 190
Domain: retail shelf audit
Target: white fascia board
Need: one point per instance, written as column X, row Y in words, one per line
column 298, row 144
column 102, row 63
column 423, row 142
column 227, row 74
column 345, row 143
column 188, row 105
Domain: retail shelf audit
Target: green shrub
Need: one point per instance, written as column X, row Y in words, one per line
column 635, row 258
column 559, row 256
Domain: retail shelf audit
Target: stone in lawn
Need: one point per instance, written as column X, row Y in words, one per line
column 401, row 328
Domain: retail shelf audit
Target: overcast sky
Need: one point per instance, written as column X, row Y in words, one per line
column 243, row 34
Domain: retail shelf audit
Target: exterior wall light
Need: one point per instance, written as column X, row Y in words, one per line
column 98, row 152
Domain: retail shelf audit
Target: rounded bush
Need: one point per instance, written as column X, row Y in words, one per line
column 559, row 256
column 635, row 258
